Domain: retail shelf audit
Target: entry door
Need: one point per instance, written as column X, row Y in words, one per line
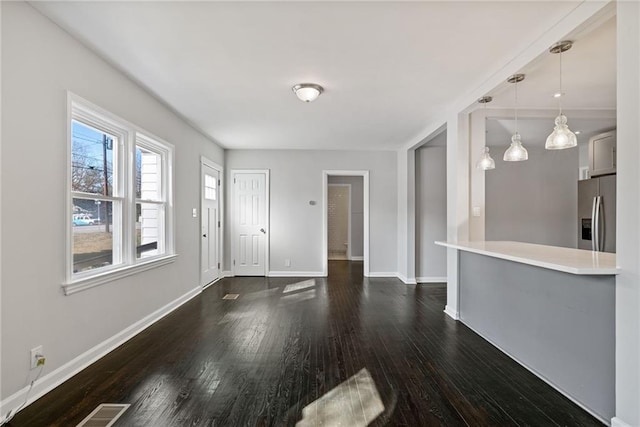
column 250, row 223
column 210, row 225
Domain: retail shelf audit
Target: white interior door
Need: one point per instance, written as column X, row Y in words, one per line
column 339, row 213
column 250, row 223
column 210, row 225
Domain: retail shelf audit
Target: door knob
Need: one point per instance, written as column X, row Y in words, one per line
column 204, row 235
column 263, row 231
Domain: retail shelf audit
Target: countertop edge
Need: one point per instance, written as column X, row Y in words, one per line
column 585, row 271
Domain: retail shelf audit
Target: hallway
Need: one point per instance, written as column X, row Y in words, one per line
column 348, row 349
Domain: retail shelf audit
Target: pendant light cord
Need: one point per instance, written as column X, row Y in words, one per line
column 516, row 107
column 561, row 93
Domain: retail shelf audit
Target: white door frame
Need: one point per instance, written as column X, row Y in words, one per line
column 267, row 246
column 213, row 165
column 348, row 219
column 325, row 217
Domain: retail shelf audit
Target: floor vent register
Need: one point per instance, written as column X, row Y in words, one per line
column 104, row 415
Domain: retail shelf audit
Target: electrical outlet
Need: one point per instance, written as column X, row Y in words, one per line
column 194, row 213
column 37, row 357
column 287, row 262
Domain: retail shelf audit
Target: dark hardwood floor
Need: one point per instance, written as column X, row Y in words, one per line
column 349, row 350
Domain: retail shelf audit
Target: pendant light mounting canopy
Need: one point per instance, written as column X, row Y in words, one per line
column 516, row 78
column 560, row 47
column 485, row 99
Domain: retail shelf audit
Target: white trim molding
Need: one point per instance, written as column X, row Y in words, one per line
column 227, row 273
column 451, row 313
column 356, row 258
column 407, row 280
column 432, row 279
column 382, row 274
column 617, row 422
column 71, row 368
column 296, row 274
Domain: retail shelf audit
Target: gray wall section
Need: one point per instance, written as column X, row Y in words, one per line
column 357, row 210
column 296, row 226
column 560, row 325
column 431, row 210
column 40, row 62
column 535, row 201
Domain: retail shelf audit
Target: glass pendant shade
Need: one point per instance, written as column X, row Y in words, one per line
column 516, row 152
column 486, row 162
column 561, row 137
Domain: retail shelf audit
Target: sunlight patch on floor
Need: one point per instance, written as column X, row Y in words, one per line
column 299, row 297
column 305, row 284
column 354, row 403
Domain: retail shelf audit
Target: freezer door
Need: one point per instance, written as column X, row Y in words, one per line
column 607, row 220
column 587, row 193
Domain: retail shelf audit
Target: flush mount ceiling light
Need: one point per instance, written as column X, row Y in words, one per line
column 516, row 152
column 561, row 137
column 486, row 162
column 307, row 92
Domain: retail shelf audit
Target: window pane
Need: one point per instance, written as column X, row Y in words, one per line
column 91, row 160
column 92, row 234
column 148, row 174
column 210, row 185
column 149, row 229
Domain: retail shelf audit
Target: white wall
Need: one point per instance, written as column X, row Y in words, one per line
column 628, row 212
column 535, row 201
column 431, row 211
column 40, row 62
column 357, row 210
column 296, row 225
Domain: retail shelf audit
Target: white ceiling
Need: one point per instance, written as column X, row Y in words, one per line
column 387, row 67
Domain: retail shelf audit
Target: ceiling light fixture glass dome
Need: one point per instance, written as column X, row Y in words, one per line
column 307, row 92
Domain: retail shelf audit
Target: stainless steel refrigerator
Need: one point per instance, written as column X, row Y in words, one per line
column 597, row 214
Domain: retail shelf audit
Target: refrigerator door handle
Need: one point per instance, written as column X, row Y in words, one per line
column 601, row 232
column 596, row 226
column 593, row 225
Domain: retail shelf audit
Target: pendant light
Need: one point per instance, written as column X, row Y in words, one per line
column 516, row 152
column 561, row 137
column 486, row 162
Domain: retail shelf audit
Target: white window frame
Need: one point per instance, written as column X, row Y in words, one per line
column 129, row 136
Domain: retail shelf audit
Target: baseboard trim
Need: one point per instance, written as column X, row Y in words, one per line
column 432, row 279
column 227, row 273
column 71, row 368
column 296, row 274
column 451, row 313
column 617, row 422
column 382, row 274
column 357, row 258
column 545, row 379
column 406, row 280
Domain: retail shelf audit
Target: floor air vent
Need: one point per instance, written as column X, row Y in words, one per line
column 231, row 296
column 104, row 415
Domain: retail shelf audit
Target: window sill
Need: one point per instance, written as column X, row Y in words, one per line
column 75, row 286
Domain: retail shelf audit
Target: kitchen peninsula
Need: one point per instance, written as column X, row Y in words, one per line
column 552, row 309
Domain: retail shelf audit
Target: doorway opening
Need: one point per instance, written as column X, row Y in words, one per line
column 346, row 217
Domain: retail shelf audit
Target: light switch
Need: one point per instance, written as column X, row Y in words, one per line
column 194, row 213
column 476, row 211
